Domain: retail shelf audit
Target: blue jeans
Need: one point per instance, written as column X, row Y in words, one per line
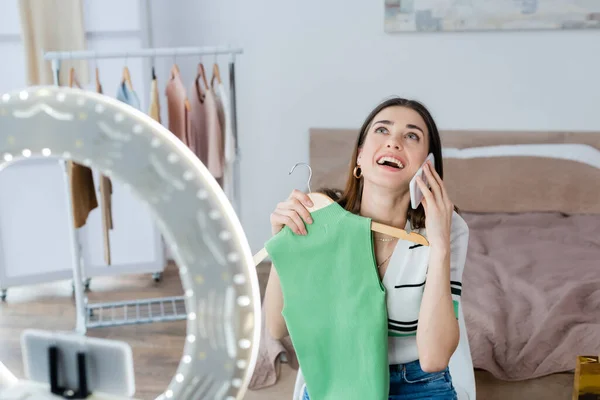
column 410, row 382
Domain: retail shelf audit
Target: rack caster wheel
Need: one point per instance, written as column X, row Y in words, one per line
column 157, row 276
column 3, row 294
column 86, row 285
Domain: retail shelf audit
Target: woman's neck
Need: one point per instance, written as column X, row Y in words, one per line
column 384, row 206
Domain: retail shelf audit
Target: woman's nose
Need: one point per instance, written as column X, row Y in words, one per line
column 393, row 145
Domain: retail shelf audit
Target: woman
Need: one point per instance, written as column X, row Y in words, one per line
column 423, row 331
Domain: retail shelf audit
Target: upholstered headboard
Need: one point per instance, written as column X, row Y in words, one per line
column 492, row 171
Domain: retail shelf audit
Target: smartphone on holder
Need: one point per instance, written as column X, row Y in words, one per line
column 108, row 364
column 415, row 191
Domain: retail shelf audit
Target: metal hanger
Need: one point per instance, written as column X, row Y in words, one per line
column 321, row 201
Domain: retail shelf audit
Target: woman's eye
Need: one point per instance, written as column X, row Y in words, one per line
column 381, row 129
column 413, row 136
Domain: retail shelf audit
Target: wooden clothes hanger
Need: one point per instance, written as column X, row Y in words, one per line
column 127, row 78
column 174, row 70
column 73, row 81
column 202, row 72
column 98, row 85
column 321, row 201
column 216, row 74
column 199, row 92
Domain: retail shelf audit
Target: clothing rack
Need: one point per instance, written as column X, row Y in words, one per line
column 84, row 312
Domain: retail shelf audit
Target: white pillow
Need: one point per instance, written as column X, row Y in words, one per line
column 575, row 152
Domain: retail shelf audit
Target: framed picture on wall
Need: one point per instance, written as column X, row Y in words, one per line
column 486, row 15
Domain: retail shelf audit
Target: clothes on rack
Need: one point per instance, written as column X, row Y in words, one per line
column 178, row 107
column 201, row 117
column 106, row 191
column 197, row 138
column 206, row 135
column 107, row 220
column 128, row 96
column 81, row 181
column 83, row 191
column 59, row 60
column 215, row 156
column 154, row 109
column 229, row 139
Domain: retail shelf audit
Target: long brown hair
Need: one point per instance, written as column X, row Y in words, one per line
column 350, row 197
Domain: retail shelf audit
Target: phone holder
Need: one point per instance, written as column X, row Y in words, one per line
column 199, row 224
column 68, row 393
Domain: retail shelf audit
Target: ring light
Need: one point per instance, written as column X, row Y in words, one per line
column 215, row 263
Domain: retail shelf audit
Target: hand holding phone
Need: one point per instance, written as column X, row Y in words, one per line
column 415, row 191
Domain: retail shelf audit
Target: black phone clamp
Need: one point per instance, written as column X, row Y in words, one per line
column 68, row 393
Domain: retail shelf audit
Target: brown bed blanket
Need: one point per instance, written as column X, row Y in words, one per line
column 531, row 292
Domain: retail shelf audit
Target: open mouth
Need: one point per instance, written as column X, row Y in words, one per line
column 390, row 162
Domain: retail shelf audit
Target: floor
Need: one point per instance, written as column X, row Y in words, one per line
column 157, row 347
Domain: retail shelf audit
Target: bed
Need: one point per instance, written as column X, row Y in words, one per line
column 531, row 284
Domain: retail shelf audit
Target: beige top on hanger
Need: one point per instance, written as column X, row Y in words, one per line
column 178, row 106
column 321, row 201
column 175, row 73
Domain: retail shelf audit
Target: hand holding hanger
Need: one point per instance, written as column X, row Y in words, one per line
column 293, row 212
column 296, row 210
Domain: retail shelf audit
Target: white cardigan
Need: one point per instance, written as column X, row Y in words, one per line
column 404, row 281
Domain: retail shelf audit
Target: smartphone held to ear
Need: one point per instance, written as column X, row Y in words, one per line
column 415, row 191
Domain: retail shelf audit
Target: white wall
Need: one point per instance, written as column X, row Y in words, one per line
column 105, row 29
column 326, row 63
column 315, row 63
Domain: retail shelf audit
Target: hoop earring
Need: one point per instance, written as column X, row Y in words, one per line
column 357, row 172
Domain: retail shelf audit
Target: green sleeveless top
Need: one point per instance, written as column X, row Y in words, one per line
column 334, row 305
